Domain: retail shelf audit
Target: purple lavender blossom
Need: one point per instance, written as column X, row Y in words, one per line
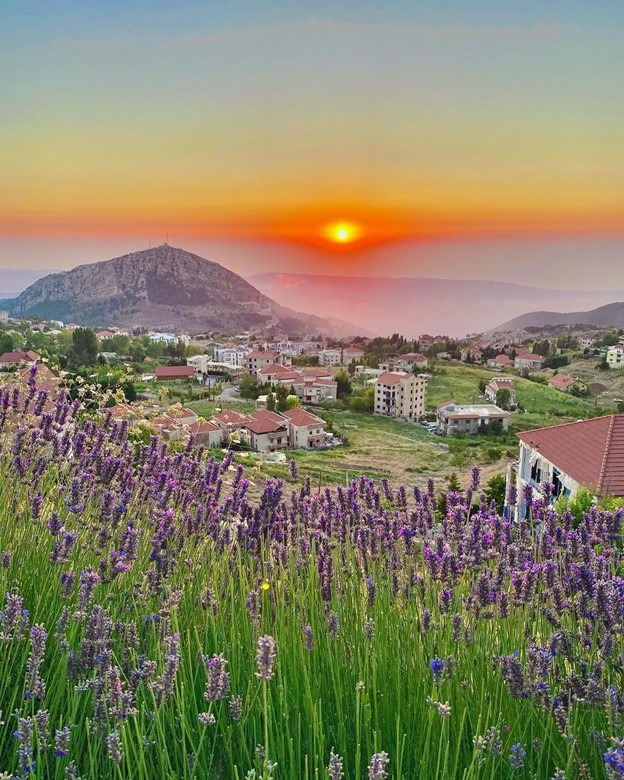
column 265, row 657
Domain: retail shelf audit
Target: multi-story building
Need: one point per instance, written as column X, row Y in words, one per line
column 268, row 431
column 400, row 395
column 528, row 361
column 305, row 430
column 330, row 357
column 259, row 359
column 4, row 315
column 232, row 356
column 615, row 356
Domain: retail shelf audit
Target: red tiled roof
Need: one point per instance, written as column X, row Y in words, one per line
column 561, row 381
column 530, row 356
column 174, row 371
column 317, row 373
column 589, row 451
column 323, row 382
column 300, row 417
column 275, row 368
column 501, row 383
column 179, row 414
column 413, row 357
column 265, row 414
column 204, row 427
column 229, row 416
column 265, row 425
column 17, row 357
column 392, row 378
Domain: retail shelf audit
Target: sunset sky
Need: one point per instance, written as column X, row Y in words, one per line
column 455, row 139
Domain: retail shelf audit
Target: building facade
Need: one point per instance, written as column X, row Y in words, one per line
column 400, row 395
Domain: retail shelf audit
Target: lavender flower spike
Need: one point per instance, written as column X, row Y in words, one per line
column 265, row 657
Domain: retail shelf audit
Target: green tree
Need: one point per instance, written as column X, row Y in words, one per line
column 363, row 401
column 452, row 484
column 6, row 343
column 495, row 490
column 292, row 402
column 503, row 398
column 344, row 389
column 271, row 402
column 281, row 393
column 85, row 348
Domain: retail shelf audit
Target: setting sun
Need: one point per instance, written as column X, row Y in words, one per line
column 342, row 232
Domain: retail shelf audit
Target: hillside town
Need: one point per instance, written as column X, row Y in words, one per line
column 272, row 396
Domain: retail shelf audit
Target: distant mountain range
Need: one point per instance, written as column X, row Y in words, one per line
column 611, row 315
column 163, row 287
column 413, row 306
column 14, row 280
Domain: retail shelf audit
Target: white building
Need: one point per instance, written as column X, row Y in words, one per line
column 615, row 356
column 587, row 453
column 4, row 316
column 400, row 395
column 454, row 418
column 232, row 356
column 330, row 357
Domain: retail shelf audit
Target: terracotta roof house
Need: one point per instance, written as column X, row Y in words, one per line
column 182, row 416
column 172, row 373
column 267, row 434
column 500, row 361
column 9, row 359
column 265, row 414
column 562, row 382
column 305, row 430
column 275, row 373
column 587, row 453
column 499, row 383
column 229, row 421
column 206, row 433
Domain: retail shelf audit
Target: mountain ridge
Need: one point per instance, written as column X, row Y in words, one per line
column 609, row 315
column 161, row 287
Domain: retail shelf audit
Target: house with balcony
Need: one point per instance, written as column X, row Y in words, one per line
column 306, row 431
column 586, row 453
column 400, row 395
column 330, row 357
column 615, row 356
column 268, row 431
column 277, row 374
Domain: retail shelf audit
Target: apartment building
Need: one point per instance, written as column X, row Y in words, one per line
column 400, row 395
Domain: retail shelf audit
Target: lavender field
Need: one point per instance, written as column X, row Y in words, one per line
column 156, row 623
